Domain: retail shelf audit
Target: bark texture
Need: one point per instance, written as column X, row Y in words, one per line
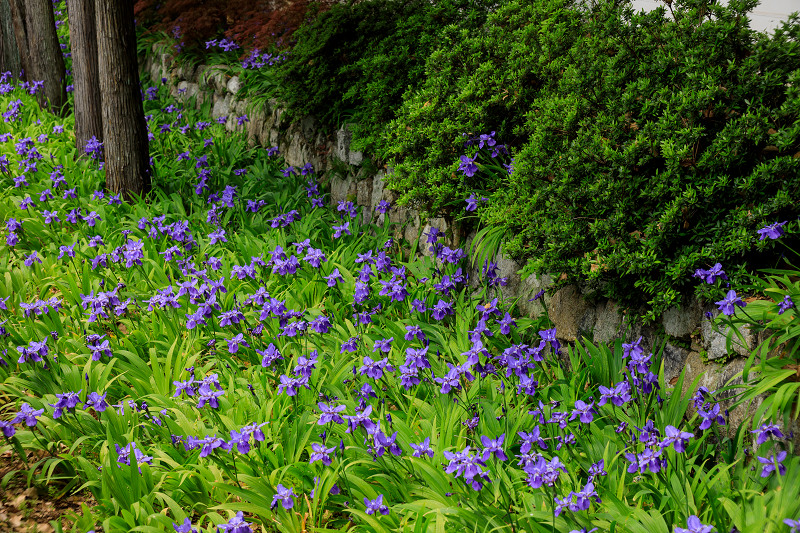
column 127, row 156
column 86, row 78
column 47, row 61
column 9, row 54
column 21, row 36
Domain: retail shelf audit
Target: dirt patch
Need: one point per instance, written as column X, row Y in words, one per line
column 26, row 509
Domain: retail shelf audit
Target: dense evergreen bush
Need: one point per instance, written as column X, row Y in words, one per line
column 354, row 62
column 646, row 145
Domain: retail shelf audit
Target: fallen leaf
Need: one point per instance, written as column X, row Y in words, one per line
column 18, row 500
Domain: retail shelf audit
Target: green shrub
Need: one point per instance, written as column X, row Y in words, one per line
column 646, row 145
column 354, row 62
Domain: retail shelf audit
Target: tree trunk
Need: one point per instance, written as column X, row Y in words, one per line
column 47, row 61
column 21, row 36
column 127, row 156
column 85, row 74
column 9, row 54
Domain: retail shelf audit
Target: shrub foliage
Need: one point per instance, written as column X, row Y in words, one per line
column 645, row 145
column 354, row 62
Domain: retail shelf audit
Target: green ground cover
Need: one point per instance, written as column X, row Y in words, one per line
column 234, row 353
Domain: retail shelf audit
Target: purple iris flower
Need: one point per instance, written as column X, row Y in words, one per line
column 597, row 469
column 794, row 524
column 728, row 304
column 562, row 503
column 541, row 472
column 360, row 419
column 375, row 369
column 285, row 496
column 50, row 216
column 442, row 309
column 785, row 305
column 100, row 349
column 32, row 258
column 766, row 431
column 68, row 401
column 241, row 438
column 417, row 358
column 7, row 428
column 306, row 365
column 694, row 526
column 619, row 395
column 236, row 525
column 97, row 401
column 27, row 414
column 123, row 455
column 506, row 323
column 584, row 411
column 409, row 376
column 91, row 219
column 321, row 453
column 334, row 278
column 314, row 257
column 414, row 331
column 208, row 444
column 468, row 166
column 773, row 231
column 361, row 293
column 584, row 498
column 493, row 447
column 529, row 439
column 321, row 324
column 467, row 465
column 348, row 208
column 675, row 438
column 549, row 335
column 423, row 448
column 350, row 345
column 233, row 343
column 376, row 505
column 185, row 527
column 217, row 236
column 330, row 413
column 648, row 461
column 772, row 463
column 383, row 442
column 338, row 230
column 384, row 345
column 419, row 305
column 710, row 275
column 206, row 395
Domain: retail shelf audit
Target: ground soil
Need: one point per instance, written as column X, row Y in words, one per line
column 29, row 509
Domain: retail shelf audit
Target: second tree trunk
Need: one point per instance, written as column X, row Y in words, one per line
column 127, row 156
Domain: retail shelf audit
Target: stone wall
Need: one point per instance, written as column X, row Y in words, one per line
column 693, row 342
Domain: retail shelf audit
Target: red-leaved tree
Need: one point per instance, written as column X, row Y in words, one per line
column 250, row 23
